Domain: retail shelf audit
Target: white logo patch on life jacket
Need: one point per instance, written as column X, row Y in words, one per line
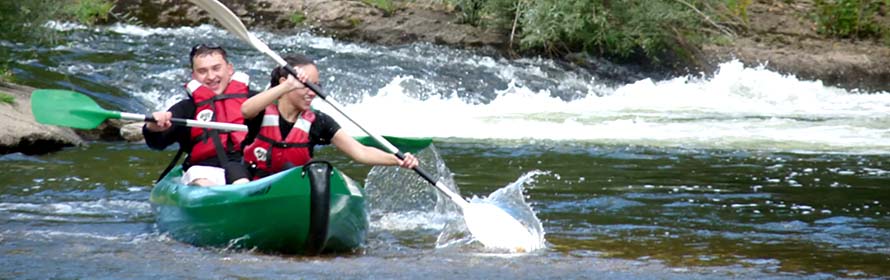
column 260, row 153
column 205, row 115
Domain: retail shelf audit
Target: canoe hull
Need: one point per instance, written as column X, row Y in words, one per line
column 272, row 214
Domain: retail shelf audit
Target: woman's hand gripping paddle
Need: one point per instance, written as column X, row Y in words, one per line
column 490, row 225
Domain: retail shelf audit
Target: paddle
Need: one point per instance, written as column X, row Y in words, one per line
column 490, row 225
column 73, row 109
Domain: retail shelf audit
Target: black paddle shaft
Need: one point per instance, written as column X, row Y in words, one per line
column 420, row 171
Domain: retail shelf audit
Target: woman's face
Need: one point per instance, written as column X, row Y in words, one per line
column 302, row 98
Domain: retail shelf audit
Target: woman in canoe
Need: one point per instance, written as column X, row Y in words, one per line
column 291, row 129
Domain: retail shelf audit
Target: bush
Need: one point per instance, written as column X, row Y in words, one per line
column 297, row 18
column 851, row 18
column 88, row 11
column 470, row 10
column 6, row 75
column 384, row 5
column 7, row 98
column 25, row 19
column 618, row 29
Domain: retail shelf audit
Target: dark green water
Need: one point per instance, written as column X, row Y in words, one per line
column 746, row 174
column 636, row 212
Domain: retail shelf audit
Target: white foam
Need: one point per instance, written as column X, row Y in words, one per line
column 100, row 207
column 739, row 107
column 410, row 221
column 203, row 30
column 736, row 107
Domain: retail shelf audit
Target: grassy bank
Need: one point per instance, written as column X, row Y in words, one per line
column 6, row 98
column 654, row 30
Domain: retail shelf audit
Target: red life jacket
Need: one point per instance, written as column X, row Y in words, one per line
column 225, row 107
column 270, row 152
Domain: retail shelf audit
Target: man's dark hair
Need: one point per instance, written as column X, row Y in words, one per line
column 292, row 60
column 204, row 49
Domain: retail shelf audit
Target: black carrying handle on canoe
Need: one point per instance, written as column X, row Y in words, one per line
column 319, row 173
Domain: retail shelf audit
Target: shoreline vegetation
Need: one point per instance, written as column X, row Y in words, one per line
column 844, row 43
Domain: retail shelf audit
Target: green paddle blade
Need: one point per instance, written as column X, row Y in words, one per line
column 68, row 108
column 405, row 145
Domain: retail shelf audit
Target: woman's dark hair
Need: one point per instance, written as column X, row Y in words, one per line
column 292, row 60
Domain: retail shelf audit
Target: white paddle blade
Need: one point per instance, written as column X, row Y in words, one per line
column 262, row 47
column 224, row 16
column 495, row 228
column 231, row 22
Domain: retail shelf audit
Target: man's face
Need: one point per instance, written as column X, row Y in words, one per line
column 212, row 71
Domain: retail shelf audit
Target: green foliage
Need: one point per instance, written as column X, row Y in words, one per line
column 470, row 11
column 297, row 18
column 89, row 11
column 7, row 98
column 6, row 75
column 620, row 29
column 721, row 40
column 851, row 18
column 384, row 5
column 26, row 19
column 355, row 22
column 739, row 8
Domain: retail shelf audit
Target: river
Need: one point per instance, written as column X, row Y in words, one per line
column 740, row 173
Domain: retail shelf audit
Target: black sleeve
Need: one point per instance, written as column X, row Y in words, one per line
column 323, row 129
column 184, row 109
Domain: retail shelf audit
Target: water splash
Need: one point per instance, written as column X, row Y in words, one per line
column 400, row 201
column 510, row 199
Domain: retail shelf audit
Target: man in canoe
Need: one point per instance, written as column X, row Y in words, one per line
column 216, row 93
column 291, row 128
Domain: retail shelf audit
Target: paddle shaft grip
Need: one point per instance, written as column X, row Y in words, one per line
column 192, row 123
column 438, row 185
column 173, row 120
column 421, row 172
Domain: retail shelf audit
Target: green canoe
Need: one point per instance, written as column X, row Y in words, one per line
column 283, row 213
column 303, row 210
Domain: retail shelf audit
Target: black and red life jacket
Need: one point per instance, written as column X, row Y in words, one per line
column 225, row 107
column 271, row 152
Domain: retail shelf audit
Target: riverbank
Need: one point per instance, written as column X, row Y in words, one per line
column 780, row 36
column 20, row 133
column 783, row 37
